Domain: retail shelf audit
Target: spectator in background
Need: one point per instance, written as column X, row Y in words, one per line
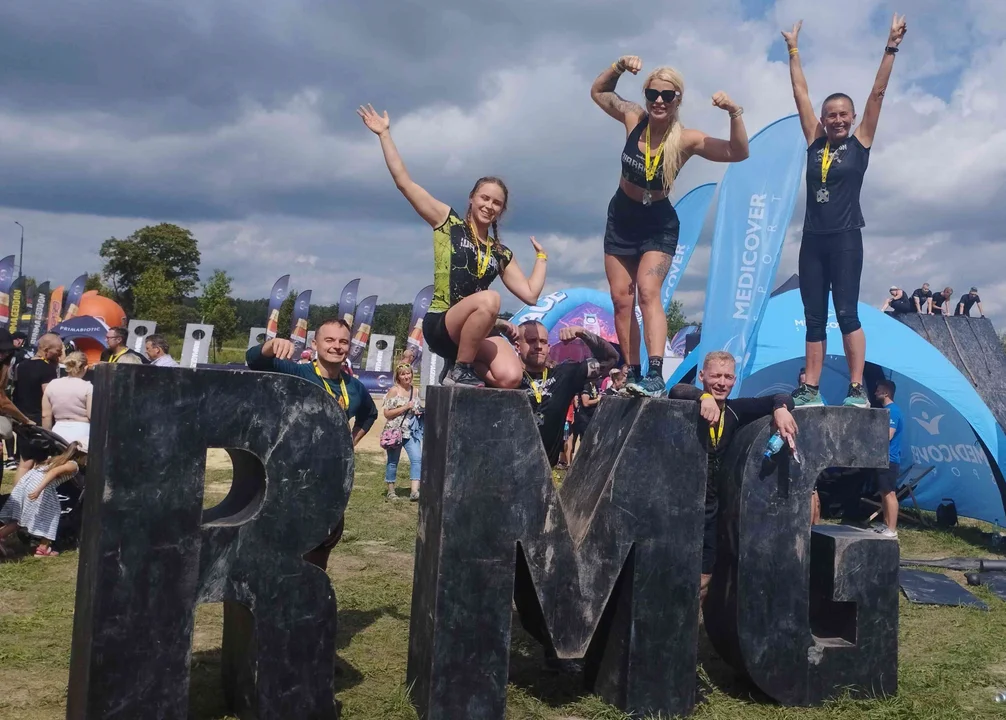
column 8, row 410
column 31, row 377
column 801, row 378
column 617, row 383
column 20, row 349
column 158, row 351
column 403, row 409
column 942, row 301
column 899, row 302
column 887, row 479
column 967, row 302
column 116, row 338
column 923, row 299
column 589, row 399
column 66, row 402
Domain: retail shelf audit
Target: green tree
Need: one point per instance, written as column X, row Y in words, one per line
column 286, row 314
column 174, row 249
column 217, row 308
column 154, row 295
column 675, row 318
column 94, row 283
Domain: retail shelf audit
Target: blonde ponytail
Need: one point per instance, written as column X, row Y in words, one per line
column 672, row 143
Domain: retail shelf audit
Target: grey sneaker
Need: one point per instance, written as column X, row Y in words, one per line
column 806, row 396
column 856, row 397
column 414, row 497
column 391, row 494
column 649, row 386
column 463, row 375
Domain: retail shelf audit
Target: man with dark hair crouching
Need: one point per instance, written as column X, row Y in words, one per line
column 724, row 418
column 331, row 341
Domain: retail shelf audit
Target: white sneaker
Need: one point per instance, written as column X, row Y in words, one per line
column 886, row 532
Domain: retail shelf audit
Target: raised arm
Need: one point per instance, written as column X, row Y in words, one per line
column 429, row 208
column 601, row 349
column 603, row 92
column 526, row 288
column 871, row 113
column 733, row 150
column 808, row 119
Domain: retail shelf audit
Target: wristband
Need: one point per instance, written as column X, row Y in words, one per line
column 616, row 68
column 794, row 51
column 737, row 113
column 542, row 256
column 706, row 395
column 890, row 49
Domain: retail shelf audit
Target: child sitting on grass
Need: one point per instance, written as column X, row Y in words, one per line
column 33, row 504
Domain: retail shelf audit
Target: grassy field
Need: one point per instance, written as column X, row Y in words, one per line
column 952, row 661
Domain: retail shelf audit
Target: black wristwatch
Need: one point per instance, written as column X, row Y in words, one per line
column 890, row 49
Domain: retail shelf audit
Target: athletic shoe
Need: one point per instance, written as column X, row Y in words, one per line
column 886, row 532
column 806, row 396
column 462, row 375
column 649, row 386
column 391, row 494
column 856, row 397
column 10, row 465
column 414, row 497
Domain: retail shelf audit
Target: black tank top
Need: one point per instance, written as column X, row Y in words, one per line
column 634, row 162
column 845, row 181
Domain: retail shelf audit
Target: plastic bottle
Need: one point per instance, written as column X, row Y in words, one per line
column 1001, row 697
column 774, row 445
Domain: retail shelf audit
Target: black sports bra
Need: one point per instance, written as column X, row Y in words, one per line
column 634, row 162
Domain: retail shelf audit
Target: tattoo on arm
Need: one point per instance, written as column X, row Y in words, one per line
column 601, row 349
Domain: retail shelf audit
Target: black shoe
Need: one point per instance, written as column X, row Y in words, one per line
column 448, row 366
column 463, row 374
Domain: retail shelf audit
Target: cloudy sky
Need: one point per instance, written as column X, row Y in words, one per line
column 236, row 118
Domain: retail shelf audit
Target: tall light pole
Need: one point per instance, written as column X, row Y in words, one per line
column 20, row 262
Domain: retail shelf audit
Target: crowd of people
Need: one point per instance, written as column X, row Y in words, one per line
column 924, row 301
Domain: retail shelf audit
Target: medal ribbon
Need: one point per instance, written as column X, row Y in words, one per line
column 115, row 358
column 534, row 384
column 344, row 400
column 651, row 170
column 480, row 266
column 826, row 161
column 716, row 436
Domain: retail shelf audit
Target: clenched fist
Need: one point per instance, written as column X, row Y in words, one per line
column 631, row 63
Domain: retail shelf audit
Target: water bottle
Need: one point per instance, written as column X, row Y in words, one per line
column 1001, row 697
column 774, row 445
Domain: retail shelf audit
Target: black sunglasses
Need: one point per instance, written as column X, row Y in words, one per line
column 666, row 95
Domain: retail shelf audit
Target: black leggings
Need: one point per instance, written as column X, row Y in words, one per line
column 835, row 263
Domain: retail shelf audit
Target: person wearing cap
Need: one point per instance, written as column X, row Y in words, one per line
column 943, row 300
column 923, row 299
column 967, row 302
column 899, row 302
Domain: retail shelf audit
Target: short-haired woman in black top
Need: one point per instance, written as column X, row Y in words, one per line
column 641, row 235
column 831, row 252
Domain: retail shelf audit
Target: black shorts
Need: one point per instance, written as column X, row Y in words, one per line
column 436, row 337
column 634, row 228
column 709, row 528
column 887, row 480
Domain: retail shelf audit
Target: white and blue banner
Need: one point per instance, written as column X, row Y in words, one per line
column 754, row 210
column 691, row 210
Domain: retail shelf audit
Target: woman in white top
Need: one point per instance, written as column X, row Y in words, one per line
column 66, row 404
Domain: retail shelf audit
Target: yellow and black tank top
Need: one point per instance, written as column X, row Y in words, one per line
column 455, row 263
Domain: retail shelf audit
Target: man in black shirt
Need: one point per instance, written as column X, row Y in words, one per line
column 117, row 349
column 589, row 398
column 923, row 299
column 551, row 389
column 967, row 302
column 724, row 418
column 899, row 302
column 942, row 300
column 30, row 380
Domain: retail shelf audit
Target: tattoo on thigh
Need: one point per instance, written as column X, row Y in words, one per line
column 661, row 269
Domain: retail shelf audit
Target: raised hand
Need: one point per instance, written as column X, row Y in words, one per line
column 723, row 102
column 537, row 246
column 898, row 29
column 507, row 329
column 377, row 124
column 630, row 63
column 568, row 334
column 792, row 35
